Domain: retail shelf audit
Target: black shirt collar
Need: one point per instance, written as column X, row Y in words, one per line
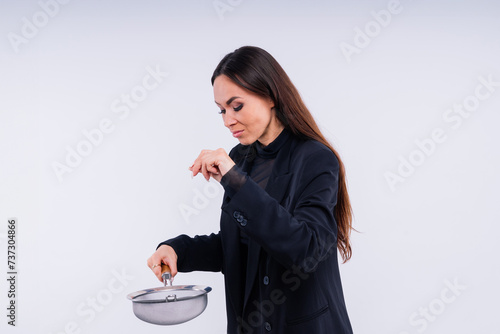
column 271, row 150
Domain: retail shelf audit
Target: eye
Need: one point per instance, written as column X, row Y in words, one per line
column 223, row 111
column 238, row 108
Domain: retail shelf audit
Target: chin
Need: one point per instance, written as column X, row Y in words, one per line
column 245, row 141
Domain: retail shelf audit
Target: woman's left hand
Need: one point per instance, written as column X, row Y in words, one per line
column 212, row 164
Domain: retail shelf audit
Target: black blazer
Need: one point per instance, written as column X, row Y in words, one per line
column 291, row 283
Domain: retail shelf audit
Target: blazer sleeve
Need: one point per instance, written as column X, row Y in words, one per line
column 304, row 233
column 202, row 252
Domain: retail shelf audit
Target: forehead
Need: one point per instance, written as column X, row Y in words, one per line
column 225, row 88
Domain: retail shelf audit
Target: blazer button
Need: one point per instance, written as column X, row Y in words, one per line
column 268, row 326
column 243, row 222
column 236, row 214
column 266, row 280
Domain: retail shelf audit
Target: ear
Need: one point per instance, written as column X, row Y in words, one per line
column 270, row 103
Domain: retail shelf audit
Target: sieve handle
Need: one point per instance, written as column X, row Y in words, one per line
column 166, row 275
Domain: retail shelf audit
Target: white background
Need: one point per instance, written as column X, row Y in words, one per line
column 109, row 213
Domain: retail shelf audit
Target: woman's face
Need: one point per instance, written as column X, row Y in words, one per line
column 248, row 116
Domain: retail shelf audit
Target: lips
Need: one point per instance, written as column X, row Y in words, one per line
column 236, row 134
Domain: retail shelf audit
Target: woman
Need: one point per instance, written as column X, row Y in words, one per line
column 285, row 209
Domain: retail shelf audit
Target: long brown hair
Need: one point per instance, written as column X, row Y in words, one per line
column 256, row 70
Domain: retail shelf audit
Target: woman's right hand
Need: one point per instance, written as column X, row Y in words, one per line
column 164, row 254
column 212, row 163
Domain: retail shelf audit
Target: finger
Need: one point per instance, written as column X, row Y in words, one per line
column 172, row 263
column 202, row 161
column 154, row 263
column 151, row 261
column 157, row 272
column 213, row 169
column 196, row 168
column 205, row 172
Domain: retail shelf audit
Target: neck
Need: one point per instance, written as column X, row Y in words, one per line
column 271, row 135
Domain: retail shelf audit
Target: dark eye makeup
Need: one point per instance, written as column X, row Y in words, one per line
column 238, row 108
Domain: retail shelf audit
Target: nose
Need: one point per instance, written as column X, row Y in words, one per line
column 229, row 119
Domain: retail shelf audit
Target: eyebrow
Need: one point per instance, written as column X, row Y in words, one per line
column 228, row 102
